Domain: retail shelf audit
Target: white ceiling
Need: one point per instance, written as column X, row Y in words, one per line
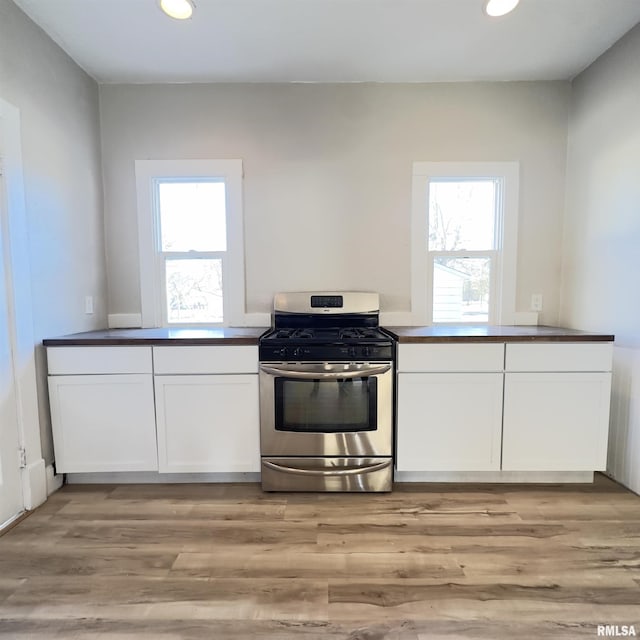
column 132, row 41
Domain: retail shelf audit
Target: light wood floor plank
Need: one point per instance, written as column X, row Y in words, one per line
column 425, row 562
column 280, row 563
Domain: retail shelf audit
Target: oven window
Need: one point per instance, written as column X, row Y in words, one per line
column 326, row 406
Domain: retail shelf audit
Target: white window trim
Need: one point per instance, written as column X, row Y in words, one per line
column 507, row 249
column 151, row 295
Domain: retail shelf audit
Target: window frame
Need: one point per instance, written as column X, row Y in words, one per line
column 149, row 174
column 503, row 256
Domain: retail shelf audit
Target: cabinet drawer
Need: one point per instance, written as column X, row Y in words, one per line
column 469, row 356
column 98, row 360
column 209, row 359
column 572, row 356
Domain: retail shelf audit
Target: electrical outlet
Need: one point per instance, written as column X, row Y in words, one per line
column 536, row 302
column 88, row 305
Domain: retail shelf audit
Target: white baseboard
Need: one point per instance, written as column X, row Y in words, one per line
column 409, row 319
column 124, row 320
column 151, row 477
column 254, row 320
column 529, row 318
column 54, row 482
column 134, row 320
column 495, row 476
column 398, row 319
column 34, row 484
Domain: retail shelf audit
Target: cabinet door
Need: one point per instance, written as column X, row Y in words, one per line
column 208, row 423
column 556, row 421
column 449, row 421
column 103, row 423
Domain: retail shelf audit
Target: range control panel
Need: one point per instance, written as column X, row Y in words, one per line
column 330, row 302
column 325, row 353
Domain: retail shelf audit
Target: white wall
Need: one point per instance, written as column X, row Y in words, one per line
column 601, row 290
column 58, row 106
column 328, row 175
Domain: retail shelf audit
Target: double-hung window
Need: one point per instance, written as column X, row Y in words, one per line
column 464, row 241
column 190, row 241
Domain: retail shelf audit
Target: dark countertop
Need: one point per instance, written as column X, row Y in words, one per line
column 250, row 335
column 160, row 336
column 494, row 333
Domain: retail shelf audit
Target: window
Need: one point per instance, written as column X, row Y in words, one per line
column 191, row 242
column 464, row 242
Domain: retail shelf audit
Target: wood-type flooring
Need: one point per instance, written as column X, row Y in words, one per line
column 426, row 562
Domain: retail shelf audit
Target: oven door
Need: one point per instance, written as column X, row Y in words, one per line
column 326, row 409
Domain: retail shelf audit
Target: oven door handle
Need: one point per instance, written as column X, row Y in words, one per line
column 345, row 471
column 325, row 375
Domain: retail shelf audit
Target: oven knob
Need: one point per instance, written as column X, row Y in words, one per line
column 296, row 352
column 367, row 352
column 282, row 352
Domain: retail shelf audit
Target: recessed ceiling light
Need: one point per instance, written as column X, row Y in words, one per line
column 178, row 9
column 495, row 8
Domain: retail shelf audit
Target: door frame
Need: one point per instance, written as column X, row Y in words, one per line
column 21, row 329
column 11, row 491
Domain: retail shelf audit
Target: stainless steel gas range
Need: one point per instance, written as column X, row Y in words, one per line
column 326, row 394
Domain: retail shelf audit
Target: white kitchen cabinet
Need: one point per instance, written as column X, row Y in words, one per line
column 207, row 421
column 552, row 415
column 449, row 407
column 556, row 407
column 102, row 409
